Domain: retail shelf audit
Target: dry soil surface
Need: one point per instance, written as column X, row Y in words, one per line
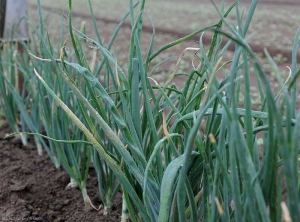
column 32, row 189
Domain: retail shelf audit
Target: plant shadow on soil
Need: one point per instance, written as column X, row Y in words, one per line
column 32, row 189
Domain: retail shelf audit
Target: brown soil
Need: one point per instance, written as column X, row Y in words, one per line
column 257, row 48
column 32, row 189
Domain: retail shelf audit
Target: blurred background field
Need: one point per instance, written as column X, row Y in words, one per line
column 273, row 28
column 274, row 23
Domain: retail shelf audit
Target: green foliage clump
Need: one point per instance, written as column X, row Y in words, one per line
column 179, row 153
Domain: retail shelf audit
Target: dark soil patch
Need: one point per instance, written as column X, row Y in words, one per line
column 32, row 189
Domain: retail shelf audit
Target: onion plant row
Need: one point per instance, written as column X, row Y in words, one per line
column 177, row 153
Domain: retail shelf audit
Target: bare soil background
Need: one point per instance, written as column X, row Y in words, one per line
column 32, row 189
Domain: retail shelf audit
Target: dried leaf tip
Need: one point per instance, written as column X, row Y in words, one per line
column 212, row 138
column 285, row 212
column 219, row 206
column 166, row 132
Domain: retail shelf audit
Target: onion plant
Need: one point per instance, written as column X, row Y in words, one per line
column 38, row 111
column 67, row 146
column 9, row 71
column 186, row 153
